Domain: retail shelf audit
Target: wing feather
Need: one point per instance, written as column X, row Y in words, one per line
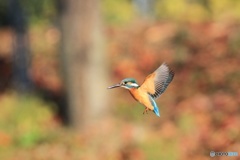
column 156, row 83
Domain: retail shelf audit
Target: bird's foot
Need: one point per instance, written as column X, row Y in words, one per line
column 145, row 111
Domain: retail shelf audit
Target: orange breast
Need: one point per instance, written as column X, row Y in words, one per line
column 141, row 96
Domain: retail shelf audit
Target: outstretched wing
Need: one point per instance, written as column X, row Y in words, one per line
column 156, row 83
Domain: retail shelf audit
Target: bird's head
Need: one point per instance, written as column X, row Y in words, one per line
column 127, row 83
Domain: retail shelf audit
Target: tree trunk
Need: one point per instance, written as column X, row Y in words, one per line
column 21, row 56
column 83, row 60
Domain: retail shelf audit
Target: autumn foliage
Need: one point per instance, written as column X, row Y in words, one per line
column 200, row 110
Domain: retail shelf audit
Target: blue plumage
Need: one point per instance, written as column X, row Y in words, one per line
column 155, row 109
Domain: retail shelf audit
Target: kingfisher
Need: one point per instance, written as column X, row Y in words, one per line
column 152, row 87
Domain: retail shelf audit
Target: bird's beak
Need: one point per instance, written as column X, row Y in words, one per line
column 114, row 86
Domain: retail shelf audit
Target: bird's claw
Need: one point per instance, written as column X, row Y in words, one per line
column 145, row 111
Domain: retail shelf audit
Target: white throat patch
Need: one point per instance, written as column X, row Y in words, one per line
column 134, row 85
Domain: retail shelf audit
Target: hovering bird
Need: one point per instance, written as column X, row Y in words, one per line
column 153, row 86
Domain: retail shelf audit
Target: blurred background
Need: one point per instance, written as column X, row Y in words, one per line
column 57, row 58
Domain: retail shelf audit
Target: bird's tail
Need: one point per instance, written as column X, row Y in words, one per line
column 155, row 107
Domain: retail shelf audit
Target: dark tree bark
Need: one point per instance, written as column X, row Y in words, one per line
column 21, row 56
